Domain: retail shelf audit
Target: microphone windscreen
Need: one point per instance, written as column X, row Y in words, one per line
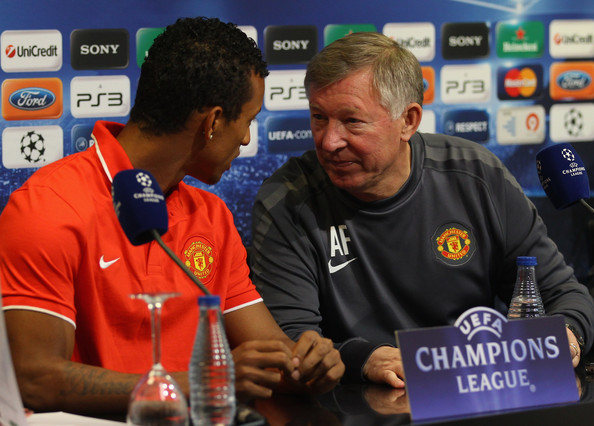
column 562, row 175
column 139, row 204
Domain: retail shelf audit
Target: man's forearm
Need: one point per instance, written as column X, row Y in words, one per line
column 82, row 389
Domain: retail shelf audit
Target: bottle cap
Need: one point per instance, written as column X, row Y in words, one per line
column 526, row 261
column 209, row 300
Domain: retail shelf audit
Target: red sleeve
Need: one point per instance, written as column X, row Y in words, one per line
column 38, row 254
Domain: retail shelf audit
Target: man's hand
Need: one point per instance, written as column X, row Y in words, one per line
column 385, row 366
column 259, row 367
column 266, row 358
column 574, row 348
column 319, row 364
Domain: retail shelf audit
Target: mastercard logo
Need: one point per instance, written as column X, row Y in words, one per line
column 523, row 81
column 520, row 82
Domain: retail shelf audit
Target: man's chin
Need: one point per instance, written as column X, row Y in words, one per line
column 345, row 185
column 208, row 180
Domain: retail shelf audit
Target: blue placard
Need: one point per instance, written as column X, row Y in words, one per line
column 471, row 124
column 288, row 134
column 486, row 363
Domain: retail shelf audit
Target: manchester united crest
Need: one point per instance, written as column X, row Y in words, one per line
column 199, row 257
column 453, row 244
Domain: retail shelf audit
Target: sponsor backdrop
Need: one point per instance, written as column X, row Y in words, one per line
column 513, row 75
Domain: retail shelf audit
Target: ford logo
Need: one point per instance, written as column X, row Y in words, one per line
column 574, row 80
column 32, row 98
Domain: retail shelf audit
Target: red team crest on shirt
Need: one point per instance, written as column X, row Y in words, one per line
column 199, row 256
column 454, row 244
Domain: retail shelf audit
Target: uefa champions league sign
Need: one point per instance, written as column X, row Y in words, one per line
column 486, row 363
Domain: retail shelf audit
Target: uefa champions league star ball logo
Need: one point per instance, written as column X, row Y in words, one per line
column 567, row 154
column 143, row 179
column 33, row 147
column 574, row 122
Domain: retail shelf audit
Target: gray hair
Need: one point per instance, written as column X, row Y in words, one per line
column 397, row 76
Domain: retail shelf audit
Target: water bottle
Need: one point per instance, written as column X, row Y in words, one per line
column 212, row 374
column 526, row 301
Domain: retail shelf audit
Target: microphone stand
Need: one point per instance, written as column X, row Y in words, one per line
column 586, row 205
column 172, row 255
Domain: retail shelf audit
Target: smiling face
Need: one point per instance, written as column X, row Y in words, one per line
column 360, row 146
column 216, row 156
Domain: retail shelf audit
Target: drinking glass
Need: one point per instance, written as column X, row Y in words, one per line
column 157, row 399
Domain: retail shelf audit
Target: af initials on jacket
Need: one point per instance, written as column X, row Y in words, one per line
column 338, row 245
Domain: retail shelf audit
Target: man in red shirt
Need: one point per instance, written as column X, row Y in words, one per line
column 79, row 343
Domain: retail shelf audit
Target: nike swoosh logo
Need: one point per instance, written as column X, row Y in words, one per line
column 104, row 264
column 337, row 268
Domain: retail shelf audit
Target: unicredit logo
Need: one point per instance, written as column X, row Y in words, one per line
column 572, row 39
column 10, row 51
column 36, row 50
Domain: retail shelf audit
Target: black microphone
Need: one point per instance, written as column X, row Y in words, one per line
column 140, row 207
column 563, row 176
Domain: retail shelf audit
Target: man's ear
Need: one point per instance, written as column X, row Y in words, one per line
column 212, row 122
column 412, row 119
column 206, row 122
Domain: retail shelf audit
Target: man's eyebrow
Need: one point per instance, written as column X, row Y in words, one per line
column 344, row 110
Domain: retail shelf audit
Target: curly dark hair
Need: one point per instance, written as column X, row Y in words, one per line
column 194, row 64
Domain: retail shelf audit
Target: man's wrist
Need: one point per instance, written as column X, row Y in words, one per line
column 578, row 337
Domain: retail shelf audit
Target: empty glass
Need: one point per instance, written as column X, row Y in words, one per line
column 157, row 399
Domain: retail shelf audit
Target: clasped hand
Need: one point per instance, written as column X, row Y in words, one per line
column 310, row 365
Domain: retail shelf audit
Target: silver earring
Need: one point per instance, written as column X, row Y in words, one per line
column 210, row 136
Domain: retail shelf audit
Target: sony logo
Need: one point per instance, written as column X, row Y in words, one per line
column 462, row 41
column 99, row 49
column 290, row 44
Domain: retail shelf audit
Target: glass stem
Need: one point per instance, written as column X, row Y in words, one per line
column 156, row 331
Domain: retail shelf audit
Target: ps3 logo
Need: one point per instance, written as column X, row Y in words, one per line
column 285, row 91
column 100, row 96
column 97, row 100
column 465, row 86
column 465, row 83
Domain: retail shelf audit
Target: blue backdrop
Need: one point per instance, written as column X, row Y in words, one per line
column 282, row 126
